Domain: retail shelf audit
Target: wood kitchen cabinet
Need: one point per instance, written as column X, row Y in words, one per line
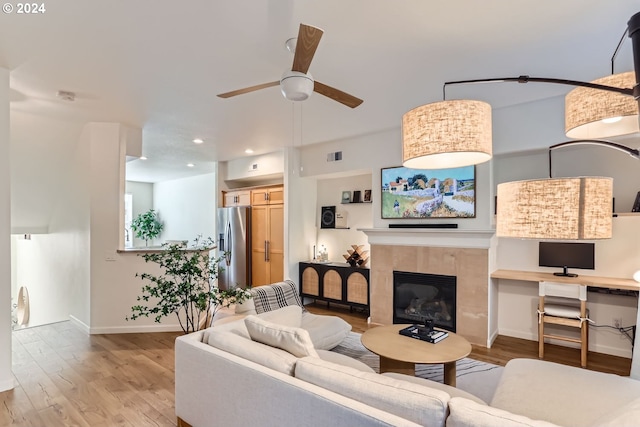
column 267, row 244
column 237, row 198
column 267, row 196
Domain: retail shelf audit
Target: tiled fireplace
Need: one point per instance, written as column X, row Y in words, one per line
column 463, row 254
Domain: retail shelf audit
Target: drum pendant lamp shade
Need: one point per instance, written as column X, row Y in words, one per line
column 447, row 134
column 556, row 208
column 593, row 113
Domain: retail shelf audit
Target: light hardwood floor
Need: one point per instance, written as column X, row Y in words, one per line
column 68, row 378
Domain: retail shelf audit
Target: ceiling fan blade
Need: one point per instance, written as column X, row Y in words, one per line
column 306, row 45
column 336, row 95
column 248, row 89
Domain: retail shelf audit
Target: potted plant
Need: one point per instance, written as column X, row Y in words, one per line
column 147, row 226
column 185, row 287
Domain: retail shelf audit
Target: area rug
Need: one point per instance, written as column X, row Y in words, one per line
column 473, row 376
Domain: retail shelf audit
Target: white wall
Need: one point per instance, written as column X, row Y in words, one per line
column 114, row 287
column 54, row 266
column 187, row 207
column 6, row 377
column 142, row 195
column 369, row 154
column 253, row 168
column 359, row 215
column 299, row 230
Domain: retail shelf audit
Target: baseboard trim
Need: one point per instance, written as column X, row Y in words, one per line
column 134, row 329
column 7, row 385
column 492, row 338
column 79, row 323
column 597, row 348
column 123, row 329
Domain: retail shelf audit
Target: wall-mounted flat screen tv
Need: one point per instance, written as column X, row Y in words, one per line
column 428, row 193
column 566, row 255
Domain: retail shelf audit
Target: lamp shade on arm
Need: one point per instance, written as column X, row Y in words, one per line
column 556, row 208
column 447, row 134
column 593, row 113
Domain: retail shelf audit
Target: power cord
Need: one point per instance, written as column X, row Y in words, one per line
column 623, row 330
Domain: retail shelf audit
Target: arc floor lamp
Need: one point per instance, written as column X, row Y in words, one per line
column 457, row 133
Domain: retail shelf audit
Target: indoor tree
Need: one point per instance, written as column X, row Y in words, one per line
column 147, row 226
column 185, row 287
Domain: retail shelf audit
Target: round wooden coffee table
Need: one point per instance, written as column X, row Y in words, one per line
column 399, row 353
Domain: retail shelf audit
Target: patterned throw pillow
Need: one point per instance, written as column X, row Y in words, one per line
column 275, row 296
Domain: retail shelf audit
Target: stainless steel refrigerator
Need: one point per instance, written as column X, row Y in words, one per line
column 234, row 245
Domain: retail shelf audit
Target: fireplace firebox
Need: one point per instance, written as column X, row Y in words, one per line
column 418, row 297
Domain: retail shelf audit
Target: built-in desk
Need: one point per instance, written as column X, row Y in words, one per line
column 593, row 281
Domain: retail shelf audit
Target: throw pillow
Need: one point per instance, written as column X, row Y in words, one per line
column 264, row 355
column 467, row 413
column 626, row 416
column 275, row 296
column 294, row 340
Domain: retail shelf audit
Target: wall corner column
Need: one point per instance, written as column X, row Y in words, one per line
column 6, row 376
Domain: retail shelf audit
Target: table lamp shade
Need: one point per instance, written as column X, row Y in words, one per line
column 446, row 134
column 594, row 113
column 556, row 208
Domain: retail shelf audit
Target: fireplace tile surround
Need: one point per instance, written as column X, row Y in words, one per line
column 464, row 254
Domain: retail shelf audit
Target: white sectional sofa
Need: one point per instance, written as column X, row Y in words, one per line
column 227, row 376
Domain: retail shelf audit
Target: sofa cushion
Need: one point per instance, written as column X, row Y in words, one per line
column 342, row 360
column 326, row 331
column 246, row 307
column 452, row 391
column 467, row 413
column 264, row 355
column 275, row 296
column 294, row 340
column 626, row 416
column 287, row 316
column 422, row 405
column 566, row 393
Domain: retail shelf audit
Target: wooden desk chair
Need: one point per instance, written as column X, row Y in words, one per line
column 566, row 305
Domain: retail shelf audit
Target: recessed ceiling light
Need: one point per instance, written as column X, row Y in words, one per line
column 198, row 141
column 143, row 158
column 248, row 151
column 190, row 165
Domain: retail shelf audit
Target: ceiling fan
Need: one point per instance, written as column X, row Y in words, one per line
column 297, row 84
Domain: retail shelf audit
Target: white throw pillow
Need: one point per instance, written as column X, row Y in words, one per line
column 246, row 307
column 626, row 416
column 467, row 413
column 294, row 340
column 264, row 355
column 286, row 316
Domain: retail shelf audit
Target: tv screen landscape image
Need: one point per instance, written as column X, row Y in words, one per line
column 424, row 193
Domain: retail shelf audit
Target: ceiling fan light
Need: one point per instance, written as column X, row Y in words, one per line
column 592, row 113
column 296, row 86
column 447, row 134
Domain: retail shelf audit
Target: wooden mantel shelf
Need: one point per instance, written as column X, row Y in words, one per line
column 595, row 281
column 440, row 237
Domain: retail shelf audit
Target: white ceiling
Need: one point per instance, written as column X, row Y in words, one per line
column 158, row 65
